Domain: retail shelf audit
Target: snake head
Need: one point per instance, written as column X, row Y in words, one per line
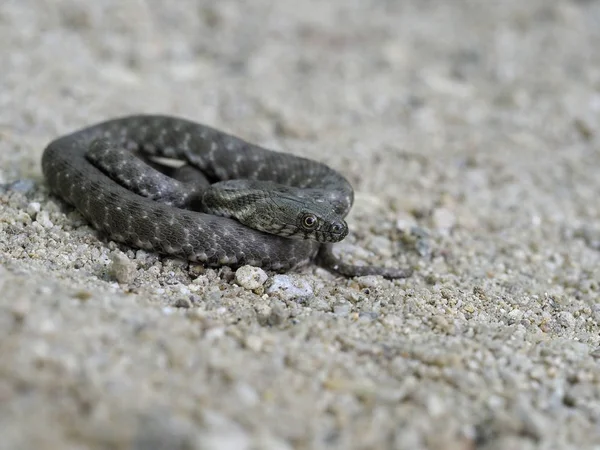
column 294, row 219
column 276, row 209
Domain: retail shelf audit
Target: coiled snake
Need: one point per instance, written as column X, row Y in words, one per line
column 264, row 208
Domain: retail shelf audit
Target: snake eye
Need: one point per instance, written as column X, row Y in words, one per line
column 309, row 221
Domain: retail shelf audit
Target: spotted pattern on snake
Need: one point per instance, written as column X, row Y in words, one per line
column 96, row 170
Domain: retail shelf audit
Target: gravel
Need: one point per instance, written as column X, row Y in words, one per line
column 470, row 131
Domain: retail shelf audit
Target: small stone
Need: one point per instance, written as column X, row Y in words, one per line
column 368, row 316
column 23, row 217
column 196, row 270
column 184, row 290
column 250, row 277
column 83, row 295
column 33, row 209
column 566, row 319
column 319, row 304
column 226, row 274
column 122, row 268
column 290, row 288
column 515, row 315
column 182, row 303
column 369, row 281
column 221, row 432
column 214, row 295
column 405, row 222
column 254, row 343
column 44, row 219
column 443, row 219
column 279, row 313
column 342, row 309
column 246, row 394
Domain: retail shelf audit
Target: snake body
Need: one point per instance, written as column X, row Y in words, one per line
column 95, row 170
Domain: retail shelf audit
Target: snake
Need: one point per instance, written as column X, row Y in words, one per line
column 228, row 203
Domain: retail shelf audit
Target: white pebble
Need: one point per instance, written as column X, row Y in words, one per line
column 254, row 343
column 443, row 219
column 122, row 268
column 405, row 222
column 250, row 277
column 342, row 310
column 33, row 209
column 44, row 219
column 288, row 288
column 566, row 319
column 516, row 315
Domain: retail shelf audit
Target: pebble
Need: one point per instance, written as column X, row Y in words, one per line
column 222, row 432
column 443, row 220
column 405, row 222
column 342, row 309
column 290, row 288
column 196, row 270
column 33, row 209
column 319, row 304
column 182, row 302
column 43, row 219
column 369, row 281
column 278, row 314
column 246, row 394
column 250, row 277
column 368, row 316
column 214, row 295
column 566, row 319
column 122, row 268
column 254, row 343
column 515, row 315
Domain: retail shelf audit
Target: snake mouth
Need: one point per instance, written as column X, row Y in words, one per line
column 330, row 236
column 293, row 232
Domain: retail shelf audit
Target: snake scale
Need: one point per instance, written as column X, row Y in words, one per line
column 239, row 204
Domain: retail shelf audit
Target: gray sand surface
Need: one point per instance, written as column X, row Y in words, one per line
column 470, row 131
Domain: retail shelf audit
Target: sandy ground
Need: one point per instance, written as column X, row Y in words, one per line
column 470, row 131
